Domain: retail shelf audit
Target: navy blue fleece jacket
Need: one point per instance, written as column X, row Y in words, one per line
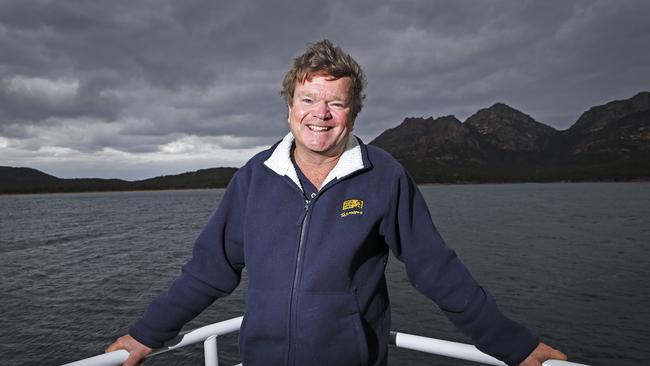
column 317, row 293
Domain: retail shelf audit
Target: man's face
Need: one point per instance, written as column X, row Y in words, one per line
column 320, row 117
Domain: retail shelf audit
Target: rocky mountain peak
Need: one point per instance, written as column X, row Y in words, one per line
column 450, row 119
column 509, row 129
column 499, row 115
column 599, row 117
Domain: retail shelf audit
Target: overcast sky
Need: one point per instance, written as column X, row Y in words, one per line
column 135, row 89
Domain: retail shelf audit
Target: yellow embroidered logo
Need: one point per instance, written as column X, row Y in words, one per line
column 352, row 207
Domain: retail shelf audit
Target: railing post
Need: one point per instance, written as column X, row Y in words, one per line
column 210, row 351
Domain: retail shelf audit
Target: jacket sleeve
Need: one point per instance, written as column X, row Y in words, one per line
column 213, row 271
column 436, row 271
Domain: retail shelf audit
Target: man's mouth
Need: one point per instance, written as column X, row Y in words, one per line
column 319, row 128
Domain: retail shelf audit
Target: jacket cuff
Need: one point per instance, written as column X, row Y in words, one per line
column 139, row 332
column 526, row 344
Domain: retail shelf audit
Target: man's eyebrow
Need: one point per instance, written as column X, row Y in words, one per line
column 306, row 94
column 313, row 95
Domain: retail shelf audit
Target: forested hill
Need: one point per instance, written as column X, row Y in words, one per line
column 28, row 180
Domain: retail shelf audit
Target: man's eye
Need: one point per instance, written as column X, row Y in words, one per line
column 307, row 100
column 337, row 105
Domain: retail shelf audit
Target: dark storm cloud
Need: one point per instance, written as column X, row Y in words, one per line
column 551, row 59
column 136, row 76
column 125, row 62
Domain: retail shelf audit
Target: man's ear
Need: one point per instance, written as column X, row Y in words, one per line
column 288, row 113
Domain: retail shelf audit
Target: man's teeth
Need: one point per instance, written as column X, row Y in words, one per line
column 319, row 128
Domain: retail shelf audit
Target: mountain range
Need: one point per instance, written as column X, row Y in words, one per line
column 609, row 142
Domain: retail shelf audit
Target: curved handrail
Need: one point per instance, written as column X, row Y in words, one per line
column 194, row 336
column 457, row 350
column 201, row 334
column 402, row 340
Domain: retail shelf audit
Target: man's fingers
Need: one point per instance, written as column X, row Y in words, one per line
column 133, row 360
column 549, row 352
column 557, row 355
column 114, row 347
column 137, row 351
column 542, row 353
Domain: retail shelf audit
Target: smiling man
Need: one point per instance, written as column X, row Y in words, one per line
column 313, row 219
column 321, row 118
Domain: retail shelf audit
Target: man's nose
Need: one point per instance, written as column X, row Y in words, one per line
column 321, row 110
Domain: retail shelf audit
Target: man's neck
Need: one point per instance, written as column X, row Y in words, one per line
column 316, row 167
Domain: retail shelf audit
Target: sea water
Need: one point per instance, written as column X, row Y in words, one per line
column 571, row 261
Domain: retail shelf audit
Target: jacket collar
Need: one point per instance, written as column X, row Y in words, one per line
column 350, row 162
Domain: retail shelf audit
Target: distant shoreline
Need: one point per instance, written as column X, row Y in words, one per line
column 111, row 191
column 635, row 180
column 640, row 180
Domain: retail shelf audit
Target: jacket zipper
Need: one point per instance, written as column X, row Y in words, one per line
column 304, row 219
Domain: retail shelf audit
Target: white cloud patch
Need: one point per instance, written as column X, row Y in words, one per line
column 40, row 90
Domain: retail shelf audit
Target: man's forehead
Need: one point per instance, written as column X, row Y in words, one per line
column 312, row 86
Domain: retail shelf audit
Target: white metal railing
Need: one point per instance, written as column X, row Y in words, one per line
column 209, row 333
column 456, row 350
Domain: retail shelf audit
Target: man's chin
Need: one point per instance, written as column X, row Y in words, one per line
column 325, row 150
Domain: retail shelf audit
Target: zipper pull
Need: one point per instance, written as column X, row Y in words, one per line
column 304, row 213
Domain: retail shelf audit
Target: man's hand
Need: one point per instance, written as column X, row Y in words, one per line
column 137, row 351
column 542, row 353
